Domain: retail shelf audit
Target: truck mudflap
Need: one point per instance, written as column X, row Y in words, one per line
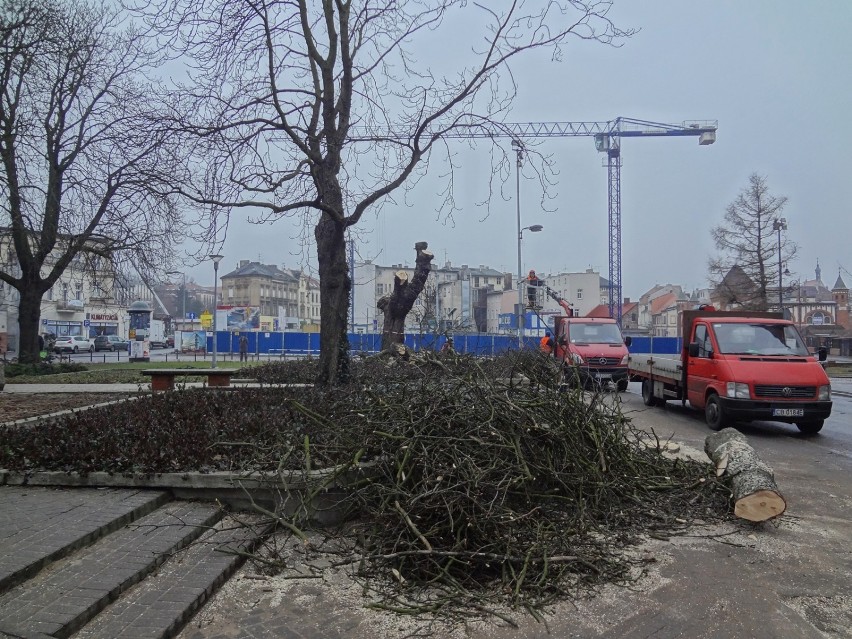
column 746, row 410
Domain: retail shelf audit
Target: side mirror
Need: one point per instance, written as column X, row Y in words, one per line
column 822, row 353
column 693, row 349
column 628, row 341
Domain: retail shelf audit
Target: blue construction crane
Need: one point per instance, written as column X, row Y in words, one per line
column 608, row 140
column 607, row 136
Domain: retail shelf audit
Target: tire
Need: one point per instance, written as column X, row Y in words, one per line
column 76, row 350
column 111, row 349
column 714, row 413
column 648, row 393
column 621, row 385
column 810, row 428
column 91, row 349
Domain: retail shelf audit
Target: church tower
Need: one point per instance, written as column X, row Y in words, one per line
column 841, row 298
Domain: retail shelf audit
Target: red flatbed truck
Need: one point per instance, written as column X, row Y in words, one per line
column 739, row 366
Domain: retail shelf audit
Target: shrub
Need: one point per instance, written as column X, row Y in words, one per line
column 43, row 368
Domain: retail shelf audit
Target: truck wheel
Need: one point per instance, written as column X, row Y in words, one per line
column 810, row 428
column 648, row 393
column 76, row 350
column 621, row 385
column 714, row 413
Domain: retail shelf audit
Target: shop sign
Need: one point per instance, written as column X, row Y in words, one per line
column 104, row 317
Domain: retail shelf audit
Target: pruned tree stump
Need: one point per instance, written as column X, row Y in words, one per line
column 756, row 495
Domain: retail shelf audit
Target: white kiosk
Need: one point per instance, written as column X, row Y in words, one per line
column 140, row 328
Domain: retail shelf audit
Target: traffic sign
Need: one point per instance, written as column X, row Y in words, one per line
column 86, row 323
column 191, row 316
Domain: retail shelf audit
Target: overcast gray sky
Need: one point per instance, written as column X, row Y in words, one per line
column 774, row 73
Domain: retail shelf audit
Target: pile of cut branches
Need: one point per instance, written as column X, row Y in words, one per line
column 490, row 480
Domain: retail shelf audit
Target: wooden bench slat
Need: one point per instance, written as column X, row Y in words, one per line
column 163, row 379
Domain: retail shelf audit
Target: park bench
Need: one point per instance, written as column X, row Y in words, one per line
column 163, row 379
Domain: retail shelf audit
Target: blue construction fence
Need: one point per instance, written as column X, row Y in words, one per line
column 308, row 344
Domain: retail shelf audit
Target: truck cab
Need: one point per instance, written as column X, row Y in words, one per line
column 592, row 350
column 739, row 366
column 747, row 368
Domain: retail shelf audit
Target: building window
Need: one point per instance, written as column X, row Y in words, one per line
column 819, row 318
column 230, row 292
column 579, row 293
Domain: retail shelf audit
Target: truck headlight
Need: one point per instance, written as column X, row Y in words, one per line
column 624, row 360
column 737, row 390
column 825, row 393
column 577, row 358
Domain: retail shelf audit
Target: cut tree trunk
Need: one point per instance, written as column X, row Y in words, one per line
column 397, row 305
column 756, row 495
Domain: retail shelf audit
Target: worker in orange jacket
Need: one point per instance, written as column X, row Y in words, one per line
column 546, row 343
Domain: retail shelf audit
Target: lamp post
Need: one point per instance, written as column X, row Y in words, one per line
column 183, row 295
column 519, row 152
column 779, row 225
column 216, row 259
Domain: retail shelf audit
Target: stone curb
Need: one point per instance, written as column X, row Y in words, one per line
column 283, row 494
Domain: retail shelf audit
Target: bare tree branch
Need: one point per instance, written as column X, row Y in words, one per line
column 85, row 165
column 324, row 108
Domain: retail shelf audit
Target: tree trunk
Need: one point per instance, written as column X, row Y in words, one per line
column 397, row 305
column 29, row 313
column 335, row 286
column 756, row 496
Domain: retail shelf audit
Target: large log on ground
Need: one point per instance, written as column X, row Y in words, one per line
column 756, row 495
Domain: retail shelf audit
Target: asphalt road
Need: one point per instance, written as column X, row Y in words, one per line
column 688, row 425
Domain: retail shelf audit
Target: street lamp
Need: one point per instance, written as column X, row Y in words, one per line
column 183, row 296
column 779, row 225
column 216, row 259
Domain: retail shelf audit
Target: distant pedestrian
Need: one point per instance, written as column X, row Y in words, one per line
column 243, row 348
column 448, row 346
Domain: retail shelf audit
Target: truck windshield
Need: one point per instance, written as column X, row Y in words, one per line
column 759, row 339
column 595, row 334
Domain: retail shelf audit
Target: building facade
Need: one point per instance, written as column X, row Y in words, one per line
column 89, row 298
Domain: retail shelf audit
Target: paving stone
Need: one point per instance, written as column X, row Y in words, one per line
column 161, row 605
column 40, row 525
column 85, row 582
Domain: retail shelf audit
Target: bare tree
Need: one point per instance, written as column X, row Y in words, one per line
column 746, row 268
column 323, row 108
column 85, row 167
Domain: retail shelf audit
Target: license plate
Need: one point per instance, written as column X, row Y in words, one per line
column 788, row 412
column 603, row 376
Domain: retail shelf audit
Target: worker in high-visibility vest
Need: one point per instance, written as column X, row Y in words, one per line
column 546, row 344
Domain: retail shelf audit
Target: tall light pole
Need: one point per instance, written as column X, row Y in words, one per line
column 780, row 225
column 216, row 259
column 183, row 295
column 519, row 151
